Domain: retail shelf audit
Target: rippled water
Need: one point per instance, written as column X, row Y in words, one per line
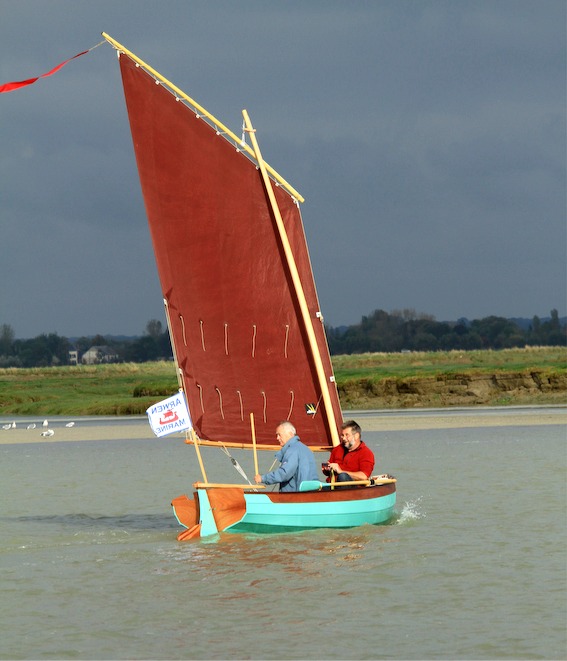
column 472, row 567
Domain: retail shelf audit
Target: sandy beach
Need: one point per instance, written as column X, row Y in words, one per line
column 448, row 420
column 138, row 428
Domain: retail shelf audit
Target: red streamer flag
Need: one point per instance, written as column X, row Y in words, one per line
column 9, row 87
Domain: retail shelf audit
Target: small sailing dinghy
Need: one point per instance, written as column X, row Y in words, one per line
column 243, row 315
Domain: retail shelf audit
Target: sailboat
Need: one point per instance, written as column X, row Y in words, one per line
column 244, row 319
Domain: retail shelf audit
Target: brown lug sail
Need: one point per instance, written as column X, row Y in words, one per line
column 240, row 342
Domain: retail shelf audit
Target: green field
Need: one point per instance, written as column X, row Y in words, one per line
column 428, row 363
column 129, row 388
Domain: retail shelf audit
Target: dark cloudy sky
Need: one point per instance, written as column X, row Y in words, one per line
column 428, row 138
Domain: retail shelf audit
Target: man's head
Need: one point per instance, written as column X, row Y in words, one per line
column 350, row 434
column 284, row 431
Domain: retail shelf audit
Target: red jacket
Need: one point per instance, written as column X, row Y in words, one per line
column 361, row 459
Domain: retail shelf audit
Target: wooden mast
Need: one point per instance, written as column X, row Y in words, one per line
column 307, row 321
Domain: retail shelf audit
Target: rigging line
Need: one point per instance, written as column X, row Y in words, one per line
column 241, row 406
column 220, row 402
column 202, row 334
column 286, row 339
column 201, row 397
column 270, row 469
column 291, row 405
column 317, row 405
column 235, row 464
column 183, row 329
column 99, row 44
column 265, row 405
column 226, row 339
column 254, row 341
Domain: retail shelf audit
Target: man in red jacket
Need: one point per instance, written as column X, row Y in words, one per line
column 353, row 459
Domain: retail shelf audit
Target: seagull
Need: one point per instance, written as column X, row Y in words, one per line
column 49, row 432
column 13, row 425
column 6, row 427
column 70, row 424
column 45, row 423
column 32, row 426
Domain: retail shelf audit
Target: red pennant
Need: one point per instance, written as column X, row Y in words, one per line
column 9, row 87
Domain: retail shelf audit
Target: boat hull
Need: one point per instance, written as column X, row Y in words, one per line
column 263, row 514
column 248, row 511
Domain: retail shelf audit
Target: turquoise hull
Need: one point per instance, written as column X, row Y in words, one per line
column 262, row 515
column 252, row 511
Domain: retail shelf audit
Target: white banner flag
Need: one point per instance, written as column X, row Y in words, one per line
column 169, row 416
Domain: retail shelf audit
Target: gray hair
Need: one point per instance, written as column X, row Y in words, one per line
column 286, row 424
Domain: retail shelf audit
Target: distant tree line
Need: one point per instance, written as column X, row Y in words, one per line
column 406, row 330
column 52, row 350
column 396, row 331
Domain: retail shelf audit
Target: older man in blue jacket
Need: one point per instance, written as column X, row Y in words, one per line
column 297, row 461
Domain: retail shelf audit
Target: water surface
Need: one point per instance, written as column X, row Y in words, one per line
column 472, row 567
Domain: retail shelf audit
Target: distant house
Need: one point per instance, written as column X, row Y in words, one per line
column 98, row 355
column 73, row 357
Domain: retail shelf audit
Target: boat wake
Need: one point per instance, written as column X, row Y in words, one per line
column 411, row 511
column 79, row 521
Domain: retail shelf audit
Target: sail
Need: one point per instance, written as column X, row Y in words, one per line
column 240, row 340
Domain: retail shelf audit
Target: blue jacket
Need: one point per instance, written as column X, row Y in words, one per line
column 297, row 464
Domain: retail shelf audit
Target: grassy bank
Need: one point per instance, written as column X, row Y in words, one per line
column 519, row 376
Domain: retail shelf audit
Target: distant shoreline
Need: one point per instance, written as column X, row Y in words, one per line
column 137, row 428
column 534, row 376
